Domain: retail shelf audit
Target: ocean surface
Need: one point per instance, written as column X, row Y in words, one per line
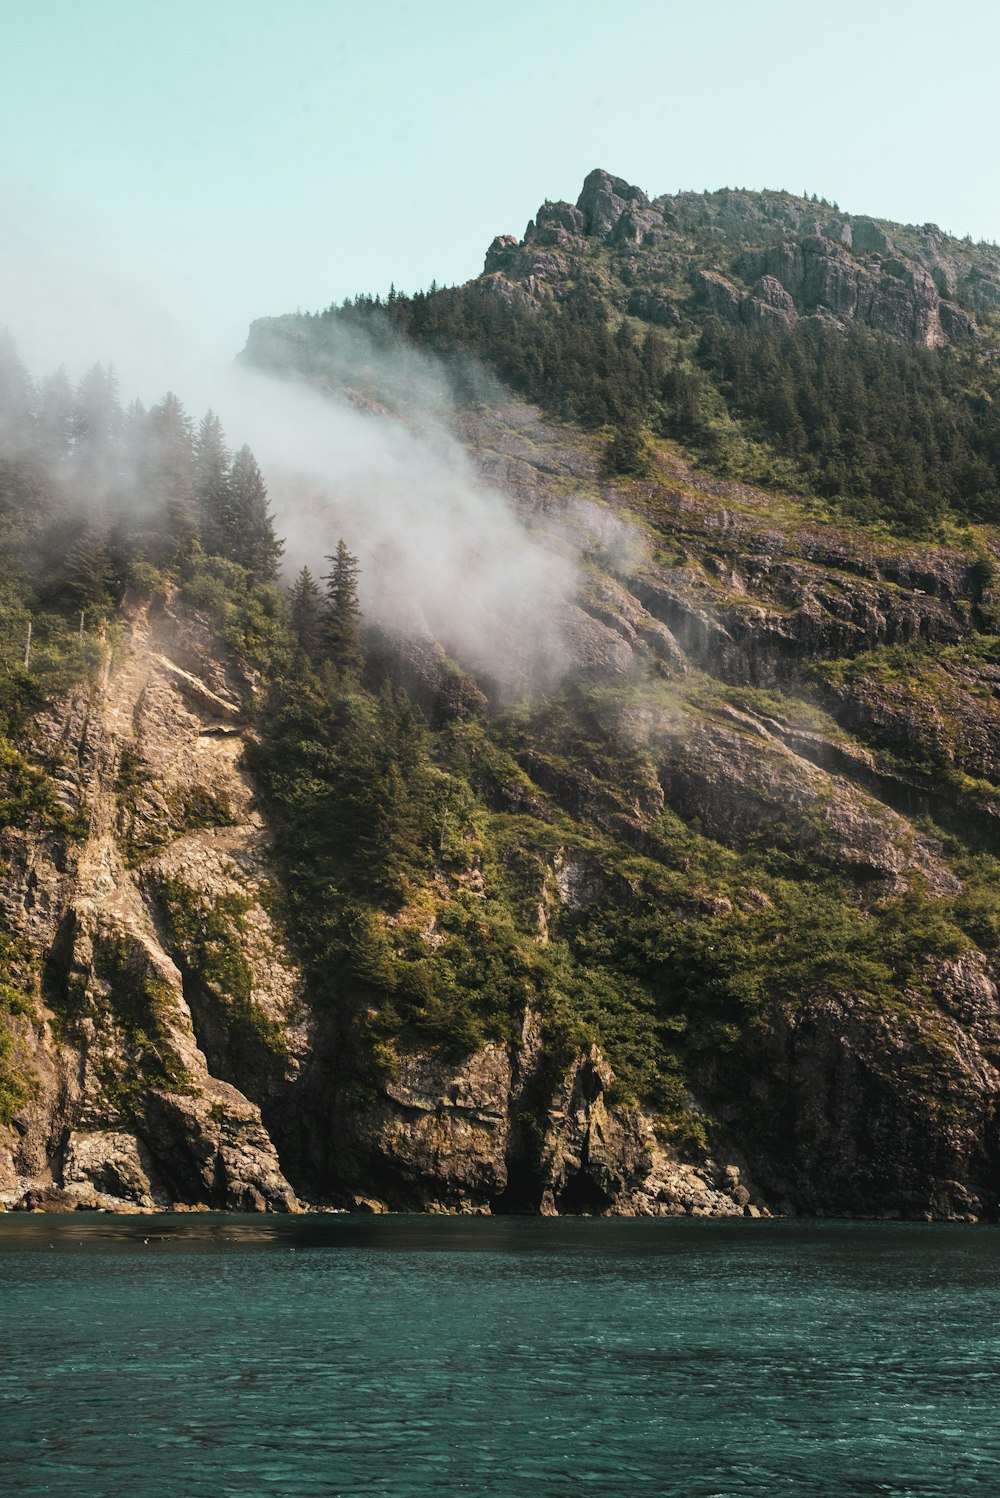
column 240, row 1357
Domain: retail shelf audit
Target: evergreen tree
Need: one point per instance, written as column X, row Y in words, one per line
column 628, row 453
column 212, row 486
column 170, row 478
column 306, row 610
column 383, row 793
column 251, row 540
column 343, row 615
column 97, row 426
column 54, row 418
column 88, row 572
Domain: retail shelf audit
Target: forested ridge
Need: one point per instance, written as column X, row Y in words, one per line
column 887, row 430
column 884, row 427
column 744, row 853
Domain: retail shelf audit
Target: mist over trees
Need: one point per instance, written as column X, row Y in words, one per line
column 91, row 490
column 889, row 431
column 418, row 857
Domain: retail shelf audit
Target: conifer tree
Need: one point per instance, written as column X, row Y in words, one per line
column 251, row 540
column 54, row 418
column 88, row 571
column 343, row 615
column 96, row 426
column 306, row 608
column 212, row 487
column 627, row 452
column 170, row 473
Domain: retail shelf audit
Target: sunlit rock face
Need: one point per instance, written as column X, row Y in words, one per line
column 700, row 916
column 162, row 1078
column 776, row 258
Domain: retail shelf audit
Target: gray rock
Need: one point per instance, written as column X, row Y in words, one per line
column 868, row 239
column 554, row 224
column 958, row 326
column 718, row 294
column 111, row 1164
column 604, row 199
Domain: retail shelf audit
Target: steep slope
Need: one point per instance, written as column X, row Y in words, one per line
column 180, row 1056
column 132, row 1047
column 171, row 1016
column 781, row 340
column 707, row 920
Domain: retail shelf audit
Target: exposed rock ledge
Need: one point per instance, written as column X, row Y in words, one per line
column 147, row 1096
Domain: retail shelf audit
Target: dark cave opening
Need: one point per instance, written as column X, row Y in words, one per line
column 522, row 1194
column 582, row 1195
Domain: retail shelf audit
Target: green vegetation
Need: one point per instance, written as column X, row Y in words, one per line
column 135, row 1013
column 888, row 431
column 440, row 878
column 250, row 616
column 207, row 936
column 628, row 453
column 929, row 711
column 17, row 1085
column 668, row 949
column 27, row 797
column 94, row 499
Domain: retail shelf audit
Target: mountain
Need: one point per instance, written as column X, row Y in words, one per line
column 701, row 913
column 755, row 258
column 780, row 340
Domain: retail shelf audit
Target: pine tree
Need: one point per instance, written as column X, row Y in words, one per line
column 96, row 426
column 88, row 571
column 212, row 487
column 343, row 628
column 251, row 540
column 306, row 609
column 170, row 475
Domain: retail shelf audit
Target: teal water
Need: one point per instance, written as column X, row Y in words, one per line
column 247, row 1357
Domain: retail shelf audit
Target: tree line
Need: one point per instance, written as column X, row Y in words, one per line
column 89, row 488
column 890, row 431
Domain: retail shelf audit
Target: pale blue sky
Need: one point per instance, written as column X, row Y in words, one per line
column 246, row 157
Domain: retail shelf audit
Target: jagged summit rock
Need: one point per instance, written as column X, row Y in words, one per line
column 604, row 200
column 750, row 257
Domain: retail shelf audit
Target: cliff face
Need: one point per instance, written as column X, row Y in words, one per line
column 176, row 1056
column 751, row 258
column 707, row 921
column 174, row 1061
column 139, row 1096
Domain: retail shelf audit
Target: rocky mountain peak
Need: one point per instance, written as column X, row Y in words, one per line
column 604, row 199
column 750, row 257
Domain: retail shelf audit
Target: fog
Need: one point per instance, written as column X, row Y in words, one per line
column 372, row 458
column 441, row 552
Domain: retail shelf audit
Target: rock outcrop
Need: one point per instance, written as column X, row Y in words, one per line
column 165, row 1075
column 778, row 260
column 128, row 1110
column 161, row 1083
